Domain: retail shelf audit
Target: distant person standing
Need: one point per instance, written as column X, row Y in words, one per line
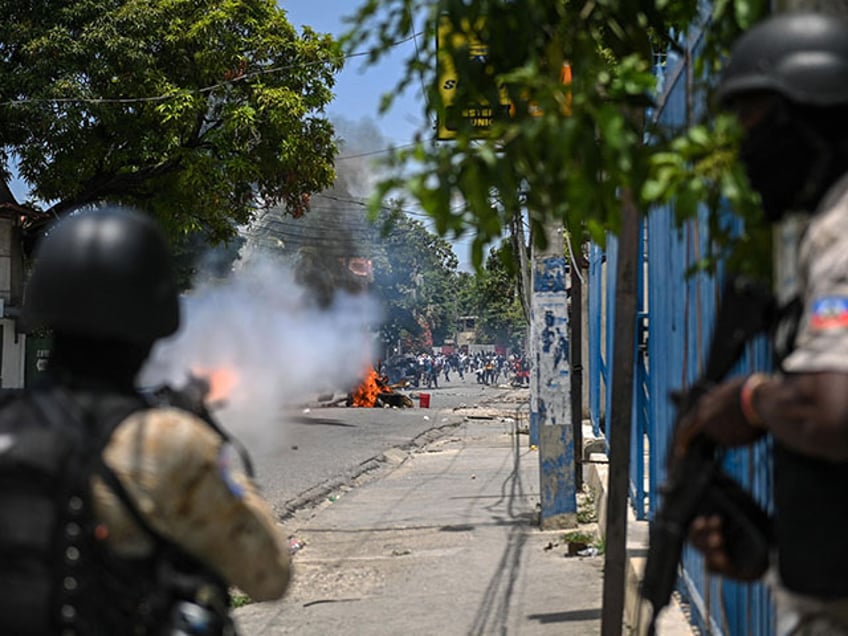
column 433, row 372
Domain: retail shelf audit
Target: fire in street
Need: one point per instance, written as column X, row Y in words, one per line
column 375, row 391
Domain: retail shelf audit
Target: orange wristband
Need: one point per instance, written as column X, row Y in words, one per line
column 746, row 399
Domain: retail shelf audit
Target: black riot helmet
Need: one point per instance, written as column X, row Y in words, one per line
column 105, row 274
column 794, row 68
column 801, row 56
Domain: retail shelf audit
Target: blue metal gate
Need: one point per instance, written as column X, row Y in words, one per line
column 676, row 312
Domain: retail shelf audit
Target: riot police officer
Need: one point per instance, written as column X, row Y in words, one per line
column 787, row 81
column 120, row 516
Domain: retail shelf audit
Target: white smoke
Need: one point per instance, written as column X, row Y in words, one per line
column 284, row 351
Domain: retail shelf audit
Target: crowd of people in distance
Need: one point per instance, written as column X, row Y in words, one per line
column 425, row 369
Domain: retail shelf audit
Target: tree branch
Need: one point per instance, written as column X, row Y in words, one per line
column 101, row 186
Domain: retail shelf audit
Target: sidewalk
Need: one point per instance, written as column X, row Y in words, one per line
column 672, row 620
column 445, row 540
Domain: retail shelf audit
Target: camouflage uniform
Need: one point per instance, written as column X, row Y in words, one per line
column 818, row 343
column 178, row 472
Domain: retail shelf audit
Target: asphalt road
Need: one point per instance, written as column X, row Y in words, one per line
column 314, row 448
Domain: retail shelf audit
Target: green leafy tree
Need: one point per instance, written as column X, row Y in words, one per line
column 196, row 110
column 566, row 150
column 466, row 293
column 415, row 276
column 500, row 316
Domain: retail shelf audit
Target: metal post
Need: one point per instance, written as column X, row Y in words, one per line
column 619, row 420
column 576, row 318
column 533, row 351
column 551, row 407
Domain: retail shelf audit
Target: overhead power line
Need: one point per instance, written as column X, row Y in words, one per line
column 374, row 152
column 364, row 204
column 205, row 89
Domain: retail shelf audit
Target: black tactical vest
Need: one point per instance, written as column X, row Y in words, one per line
column 811, row 509
column 52, row 565
column 56, row 574
column 810, row 523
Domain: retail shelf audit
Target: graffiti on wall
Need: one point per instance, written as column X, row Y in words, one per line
column 554, row 337
column 550, row 317
column 550, row 275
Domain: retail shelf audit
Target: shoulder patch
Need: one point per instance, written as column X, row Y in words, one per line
column 227, row 461
column 830, row 312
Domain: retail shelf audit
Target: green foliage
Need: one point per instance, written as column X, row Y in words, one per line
column 570, row 149
column 699, row 171
column 196, row 110
column 239, row 599
column 491, row 296
column 577, row 536
column 415, row 277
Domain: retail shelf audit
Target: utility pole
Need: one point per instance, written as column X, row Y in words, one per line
column 550, row 408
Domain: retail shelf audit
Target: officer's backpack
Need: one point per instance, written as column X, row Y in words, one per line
column 56, row 575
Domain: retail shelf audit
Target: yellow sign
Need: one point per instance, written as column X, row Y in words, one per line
column 481, row 115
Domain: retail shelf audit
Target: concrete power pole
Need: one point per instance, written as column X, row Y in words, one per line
column 550, row 388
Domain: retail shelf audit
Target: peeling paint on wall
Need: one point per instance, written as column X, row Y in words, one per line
column 550, row 274
column 551, row 317
column 550, row 402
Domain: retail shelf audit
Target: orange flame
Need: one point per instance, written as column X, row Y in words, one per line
column 366, row 393
column 222, row 381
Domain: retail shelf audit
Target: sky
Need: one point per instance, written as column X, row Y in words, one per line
column 359, row 89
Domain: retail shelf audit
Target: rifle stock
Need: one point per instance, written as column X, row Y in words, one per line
column 695, row 484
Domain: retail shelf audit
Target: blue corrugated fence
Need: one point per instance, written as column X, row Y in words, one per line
column 676, row 311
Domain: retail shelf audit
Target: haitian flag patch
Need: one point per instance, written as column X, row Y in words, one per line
column 830, row 312
column 225, row 463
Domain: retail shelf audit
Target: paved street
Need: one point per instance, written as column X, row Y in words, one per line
column 441, row 538
column 312, row 448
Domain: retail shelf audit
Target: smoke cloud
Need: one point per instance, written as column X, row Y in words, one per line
column 284, row 348
column 279, row 347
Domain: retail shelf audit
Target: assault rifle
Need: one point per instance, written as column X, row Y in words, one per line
column 193, row 397
column 696, row 484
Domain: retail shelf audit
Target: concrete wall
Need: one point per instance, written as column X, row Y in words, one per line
column 12, row 344
column 12, row 355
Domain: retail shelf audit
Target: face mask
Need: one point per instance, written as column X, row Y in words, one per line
column 779, row 154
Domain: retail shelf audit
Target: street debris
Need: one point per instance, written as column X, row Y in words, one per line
column 576, row 547
column 580, row 544
column 375, row 391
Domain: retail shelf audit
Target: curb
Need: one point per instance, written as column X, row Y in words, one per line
column 391, row 457
column 672, row 620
